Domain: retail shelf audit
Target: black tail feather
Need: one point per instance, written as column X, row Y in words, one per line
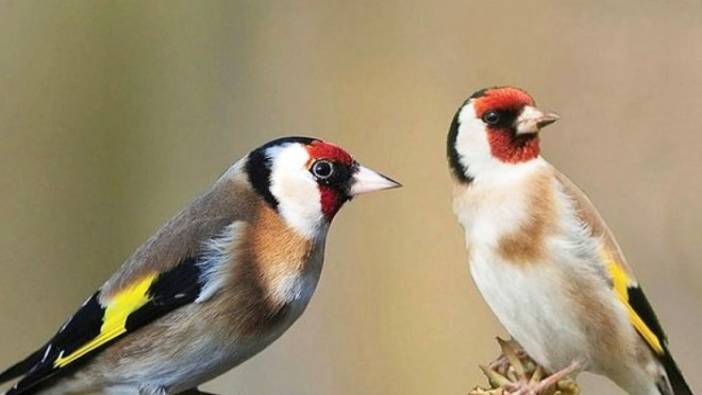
column 21, row 367
column 675, row 376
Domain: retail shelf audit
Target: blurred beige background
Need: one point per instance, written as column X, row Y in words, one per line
column 113, row 115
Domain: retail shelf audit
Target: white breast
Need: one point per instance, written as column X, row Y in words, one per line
column 529, row 299
column 531, row 305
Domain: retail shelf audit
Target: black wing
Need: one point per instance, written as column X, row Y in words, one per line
column 95, row 326
column 640, row 304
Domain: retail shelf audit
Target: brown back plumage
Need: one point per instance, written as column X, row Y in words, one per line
column 588, row 214
column 229, row 200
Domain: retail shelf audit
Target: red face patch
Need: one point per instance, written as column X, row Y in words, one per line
column 508, row 148
column 506, row 98
column 505, row 145
column 331, row 201
column 321, row 150
column 331, row 198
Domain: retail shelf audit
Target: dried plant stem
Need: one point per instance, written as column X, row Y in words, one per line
column 514, row 373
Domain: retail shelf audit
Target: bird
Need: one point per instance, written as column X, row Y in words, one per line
column 543, row 258
column 215, row 285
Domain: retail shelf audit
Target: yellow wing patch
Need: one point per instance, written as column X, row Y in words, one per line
column 114, row 321
column 621, row 283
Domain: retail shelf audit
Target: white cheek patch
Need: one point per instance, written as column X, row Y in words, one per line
column 472, row 143
column 296, row 190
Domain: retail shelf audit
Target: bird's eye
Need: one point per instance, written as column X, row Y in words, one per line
column 491, row 118
column 323, row 169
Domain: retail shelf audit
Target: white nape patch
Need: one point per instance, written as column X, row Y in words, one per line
column 219, row 252
column 296, row 190
column 475, row 155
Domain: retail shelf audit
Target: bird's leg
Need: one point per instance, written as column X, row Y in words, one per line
column 558, row 376
column 195, row 391
column 537, row 386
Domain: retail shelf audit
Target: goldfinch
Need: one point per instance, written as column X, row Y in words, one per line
column 214, row 286
column 543, row 258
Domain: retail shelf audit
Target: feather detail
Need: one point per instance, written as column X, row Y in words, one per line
column 620, row 274
column 96, row 325
column 114, row 321
column 622, row 285
column 23, row 366
column 218, row 252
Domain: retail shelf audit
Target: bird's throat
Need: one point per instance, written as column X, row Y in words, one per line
column 510, row 148
column 331, row 201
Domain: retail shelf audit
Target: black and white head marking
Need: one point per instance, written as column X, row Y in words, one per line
column 259, row 166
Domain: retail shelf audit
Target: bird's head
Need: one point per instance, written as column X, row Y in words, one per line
column 307, row 180
column 493, row 128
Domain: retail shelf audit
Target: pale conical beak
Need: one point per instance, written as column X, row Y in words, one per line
column 531, row 120
column 365, row 180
